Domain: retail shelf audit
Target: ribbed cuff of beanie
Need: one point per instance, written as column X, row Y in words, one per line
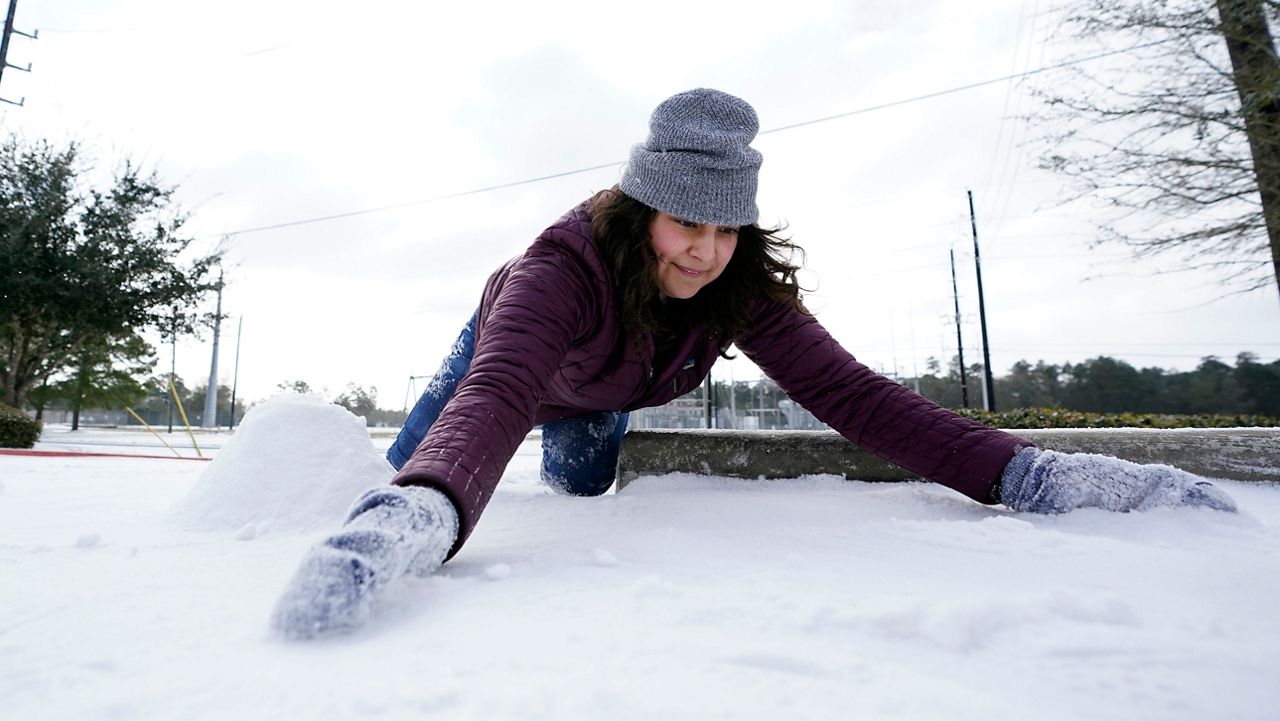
column 673, row 184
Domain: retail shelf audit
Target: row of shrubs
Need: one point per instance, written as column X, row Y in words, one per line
column 16, row 429
column 1063, row 418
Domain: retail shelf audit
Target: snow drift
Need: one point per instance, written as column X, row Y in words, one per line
column 295, row 464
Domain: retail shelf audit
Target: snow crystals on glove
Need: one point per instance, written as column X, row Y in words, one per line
column 1041, row 481
column 389, row 531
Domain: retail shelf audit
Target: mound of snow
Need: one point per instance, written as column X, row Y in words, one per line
column 296, row 463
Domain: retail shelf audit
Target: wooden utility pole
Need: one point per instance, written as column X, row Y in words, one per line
column 988, row 381
column 955, row 296
column 708, row 406
column 4, row 48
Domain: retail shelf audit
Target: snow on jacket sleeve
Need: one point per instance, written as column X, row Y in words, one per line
column 875, row 413
column 532, row 311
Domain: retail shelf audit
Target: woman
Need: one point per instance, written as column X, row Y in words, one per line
column 625, row 303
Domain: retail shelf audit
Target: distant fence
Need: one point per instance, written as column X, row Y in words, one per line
column 88, row 417
column 752, row 406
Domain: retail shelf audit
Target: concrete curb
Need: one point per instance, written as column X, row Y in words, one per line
column 87, row 454
column 1243, row 454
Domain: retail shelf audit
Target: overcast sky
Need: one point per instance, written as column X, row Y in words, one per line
column 270, row 112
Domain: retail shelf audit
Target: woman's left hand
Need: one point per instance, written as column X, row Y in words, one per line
column 1040, row 481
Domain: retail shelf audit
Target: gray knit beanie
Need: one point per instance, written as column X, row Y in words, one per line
column 697, row 163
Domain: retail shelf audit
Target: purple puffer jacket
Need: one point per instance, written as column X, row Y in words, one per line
column 549, row 345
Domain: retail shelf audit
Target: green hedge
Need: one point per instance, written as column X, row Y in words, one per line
column 16, row 429
column 1063, row 418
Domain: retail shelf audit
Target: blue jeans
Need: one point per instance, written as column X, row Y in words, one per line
column 579, row 454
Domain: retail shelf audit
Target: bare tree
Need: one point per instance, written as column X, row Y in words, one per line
column 1181, row 136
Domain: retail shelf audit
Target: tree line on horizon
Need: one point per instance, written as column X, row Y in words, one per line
column 1099, row 385
column 1109, row 385
column 1103, row 385
column 154, row 402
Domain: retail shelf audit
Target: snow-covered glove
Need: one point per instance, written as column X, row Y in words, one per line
column 389, row 531
column 1042, row 481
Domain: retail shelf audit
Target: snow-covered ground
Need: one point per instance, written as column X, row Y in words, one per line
column 682, row 597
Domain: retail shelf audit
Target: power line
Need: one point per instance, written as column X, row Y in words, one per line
column 793, row 126
column 962, row 88
column 432, row 199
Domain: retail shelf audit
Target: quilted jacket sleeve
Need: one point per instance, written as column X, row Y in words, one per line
column 531, row 314
column 877, row 414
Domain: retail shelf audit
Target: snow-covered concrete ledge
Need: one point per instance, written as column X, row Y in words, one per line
column 1246, row 454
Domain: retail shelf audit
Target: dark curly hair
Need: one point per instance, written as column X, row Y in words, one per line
column 761, row 263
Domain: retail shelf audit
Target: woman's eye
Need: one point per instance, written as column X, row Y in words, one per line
column 687, row 223
column 729, row 231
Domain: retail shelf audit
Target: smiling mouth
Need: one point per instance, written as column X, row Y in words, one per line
column 687, row 271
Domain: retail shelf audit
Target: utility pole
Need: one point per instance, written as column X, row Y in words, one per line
column 988, row 382
column 955, row 296
column 4, row 48
column 210, row 419
column 733, row 400
column 707, row 400
column 235, row 376
column 173, row 368
column 915, row 369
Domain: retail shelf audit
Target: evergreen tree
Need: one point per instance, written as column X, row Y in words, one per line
column 360, row 401
column 195, row 405
column 104, row 374
column 1259, row 385
column 82, row 268
column 294, row 387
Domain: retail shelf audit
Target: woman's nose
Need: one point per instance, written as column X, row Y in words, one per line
column 704, row 244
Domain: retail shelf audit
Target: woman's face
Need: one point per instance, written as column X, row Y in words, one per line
column 690, row 255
